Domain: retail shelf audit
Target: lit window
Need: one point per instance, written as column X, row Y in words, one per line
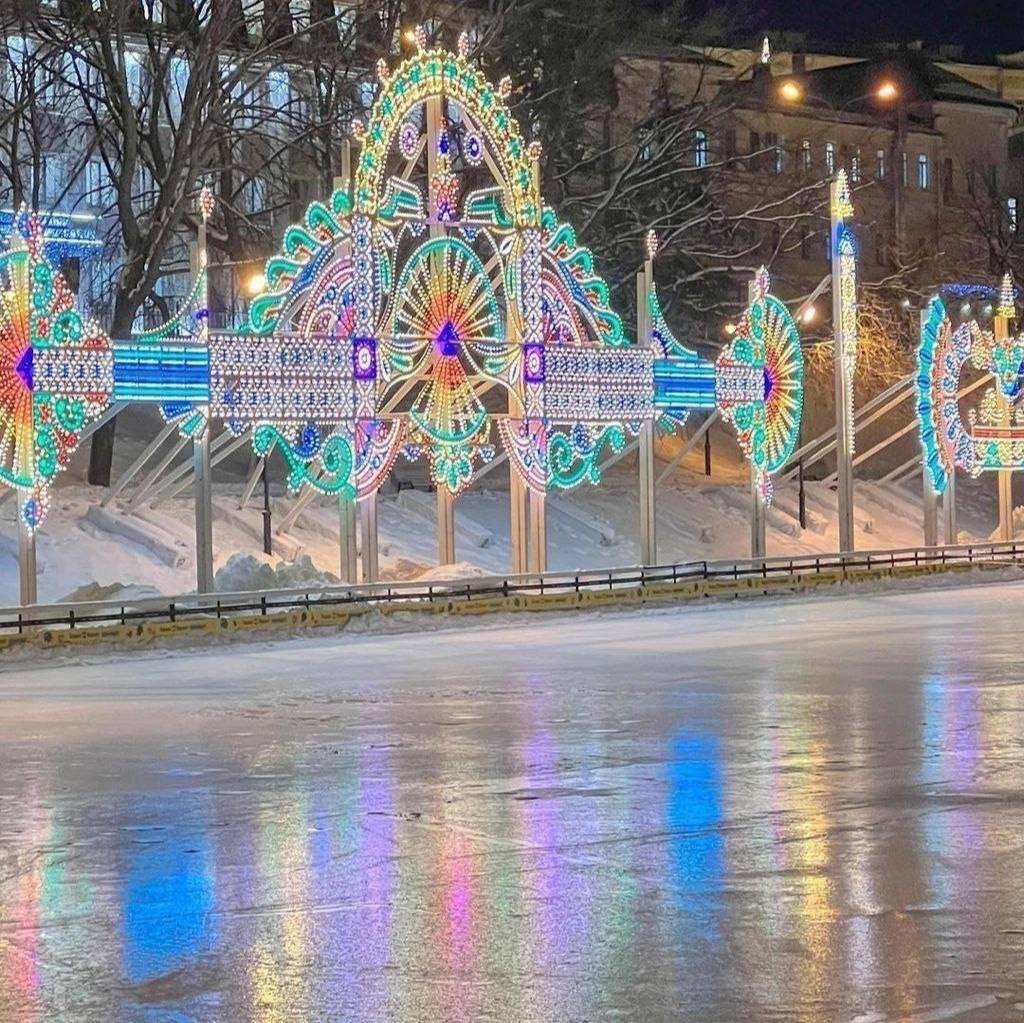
column 700, row 148
column 855, row 166
column 880, row 167
column 805, row 155
column 904, row 174
column 923, row 177
column 780, row 156
column 366, row 91
column 1011, row 213
column 830, row 158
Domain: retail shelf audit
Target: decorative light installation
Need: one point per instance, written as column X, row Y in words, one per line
column 759, row 382
column 991, row 438
column 55, row 370
column 393, row 322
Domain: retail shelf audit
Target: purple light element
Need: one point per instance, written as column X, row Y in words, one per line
column 769, row 383
column 447, row 341
column 24, row 368
column 364, row 358
column 533, row 364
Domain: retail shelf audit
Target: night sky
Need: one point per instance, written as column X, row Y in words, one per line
column 983, row 27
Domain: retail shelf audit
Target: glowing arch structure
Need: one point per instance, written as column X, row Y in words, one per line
column 436, row 310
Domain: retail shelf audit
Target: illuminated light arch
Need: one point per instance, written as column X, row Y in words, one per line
column 441, row 73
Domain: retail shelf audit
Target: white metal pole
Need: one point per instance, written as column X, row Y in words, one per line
column 368, row 537
column 758, row 511
column 844, row 330
column 27, row 569
column 648, row 509
column 203, row 490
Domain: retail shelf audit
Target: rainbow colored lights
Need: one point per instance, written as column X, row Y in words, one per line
column 397, row 322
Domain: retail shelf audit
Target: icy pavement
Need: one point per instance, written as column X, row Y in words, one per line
column 784, row 811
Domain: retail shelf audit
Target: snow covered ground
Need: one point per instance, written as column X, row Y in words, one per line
column 799, row 810
column 134, row 548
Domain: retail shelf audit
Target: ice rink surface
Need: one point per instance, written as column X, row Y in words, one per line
column 786, row 810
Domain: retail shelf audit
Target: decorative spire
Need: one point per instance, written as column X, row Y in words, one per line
column 651, row 243
column 1006, row 308
column 842, row 205
column 205, row 202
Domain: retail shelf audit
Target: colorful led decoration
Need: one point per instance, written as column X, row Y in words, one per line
column 55, row 370
column 991, row 437
column 1007, row 309
column 759, row 383
column 394, row 322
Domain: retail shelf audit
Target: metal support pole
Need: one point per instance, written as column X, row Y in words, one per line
column 519, row 514
column 758, row 509
column 538, row 533
column 1001, row 330
column 204, row 512
column 844, row 332
column 645, row 457
column 268, row 532
column 368, row 537
column 27, row 569
column 348, row 558
column 201, row 443
column 707, row 453
column 950, row 532
column 931, row 511
column 802, row 495
column 445, row 527
column 758, row 520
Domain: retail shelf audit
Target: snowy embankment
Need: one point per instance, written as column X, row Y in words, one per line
column 85, row 550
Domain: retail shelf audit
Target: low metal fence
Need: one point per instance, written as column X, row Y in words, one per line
column 84, row 614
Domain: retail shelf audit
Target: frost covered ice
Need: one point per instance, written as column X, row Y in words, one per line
column 793, row 810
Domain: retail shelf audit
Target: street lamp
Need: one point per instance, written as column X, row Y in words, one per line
column 256, row 283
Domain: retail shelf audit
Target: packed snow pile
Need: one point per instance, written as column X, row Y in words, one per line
column 243, row 572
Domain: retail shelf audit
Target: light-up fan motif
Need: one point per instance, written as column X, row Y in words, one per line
column 447, row 315
column 759, row 383
column 47, row 393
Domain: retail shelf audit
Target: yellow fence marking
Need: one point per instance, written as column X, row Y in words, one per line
column 301, row 619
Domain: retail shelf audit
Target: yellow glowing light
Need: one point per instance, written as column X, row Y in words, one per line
column 791, row 91
column 810, row 314
column 887, row 91
column 730, row 329
column 256, row 283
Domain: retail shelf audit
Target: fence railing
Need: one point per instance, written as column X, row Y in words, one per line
column 263, row 602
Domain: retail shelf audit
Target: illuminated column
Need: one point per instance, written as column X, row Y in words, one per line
column 532, row 318
column 844, row 329
column 1001, row 331
column 445, row 500
column 27, row 585
column 368, row 537
column 348, row 557
column 203, row 491
column 648, row 521
column 758, row 508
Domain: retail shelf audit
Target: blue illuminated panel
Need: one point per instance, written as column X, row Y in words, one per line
column 163, row 371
